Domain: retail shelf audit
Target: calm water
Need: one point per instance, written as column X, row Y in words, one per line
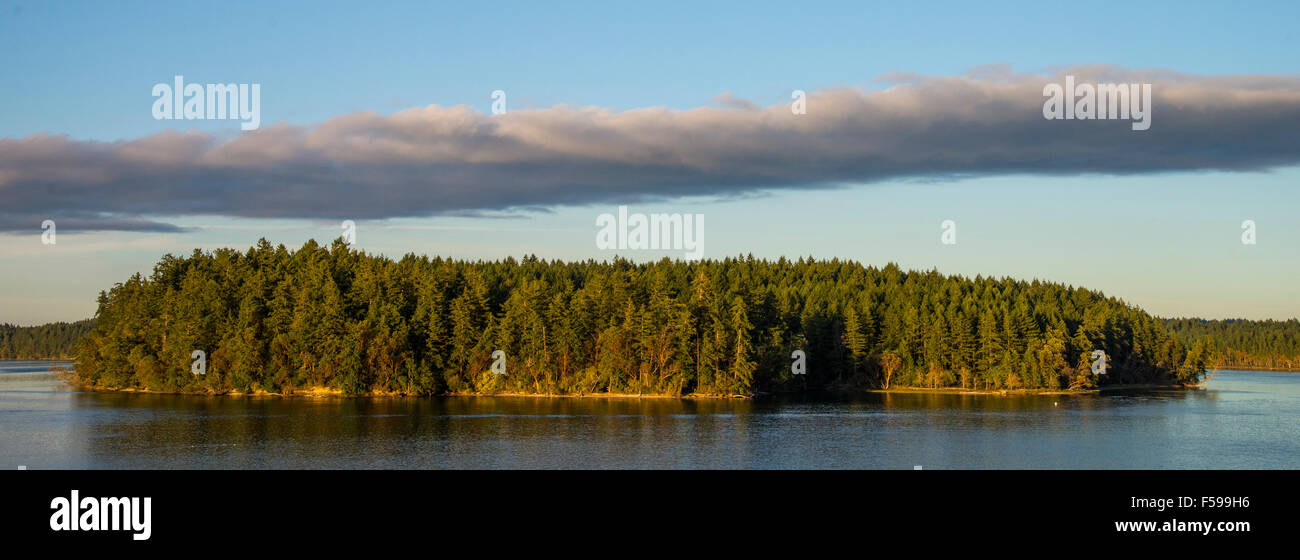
column 1243, row 420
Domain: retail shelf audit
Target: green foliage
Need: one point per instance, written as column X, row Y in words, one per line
column 281, row 320
column 1241, row 343
column 49, row 341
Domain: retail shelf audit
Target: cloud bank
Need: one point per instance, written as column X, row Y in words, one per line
column 435, row 160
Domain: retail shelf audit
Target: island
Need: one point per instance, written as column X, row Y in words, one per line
column 333, row 320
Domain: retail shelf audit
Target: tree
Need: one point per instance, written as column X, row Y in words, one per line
column 742, row 367
column 283, row 320
column 854, row 340
column 889, row 364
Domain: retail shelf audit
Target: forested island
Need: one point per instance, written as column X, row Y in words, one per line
column 44, row 342
column 335, row 319
column 1245, row 344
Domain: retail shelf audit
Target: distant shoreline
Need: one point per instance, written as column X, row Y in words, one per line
column 310, row 392
column 318, row 392
column 1017, row 392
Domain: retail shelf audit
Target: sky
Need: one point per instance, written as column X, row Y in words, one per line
column 917, row 113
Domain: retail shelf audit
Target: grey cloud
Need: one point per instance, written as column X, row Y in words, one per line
column 435, row 160
column 65, row 222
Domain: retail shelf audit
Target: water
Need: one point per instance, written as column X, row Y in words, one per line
column 1243, row 420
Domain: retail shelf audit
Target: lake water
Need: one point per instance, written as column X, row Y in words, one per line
column 1243, row 420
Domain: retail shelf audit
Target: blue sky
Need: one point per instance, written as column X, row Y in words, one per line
column 80, row 67
column 1168, row 241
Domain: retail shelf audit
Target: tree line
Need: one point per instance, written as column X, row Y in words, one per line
column 43, row 342
column 1242, row 343
column 281, row 320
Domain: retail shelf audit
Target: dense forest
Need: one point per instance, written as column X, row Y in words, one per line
column 53, row 340
column 1245, row 344
column 278, row 320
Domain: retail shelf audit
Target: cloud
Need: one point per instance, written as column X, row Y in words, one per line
column 730, row 101
column 80, row 221
column 435, row 160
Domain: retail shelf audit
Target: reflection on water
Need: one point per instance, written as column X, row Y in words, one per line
column 1244, row 420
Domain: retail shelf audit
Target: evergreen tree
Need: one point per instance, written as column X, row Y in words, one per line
column 333, row 317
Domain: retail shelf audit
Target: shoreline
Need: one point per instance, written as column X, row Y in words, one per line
column 326, row 392
column 69, row 377
column 1019, row 392
column 37, row 360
